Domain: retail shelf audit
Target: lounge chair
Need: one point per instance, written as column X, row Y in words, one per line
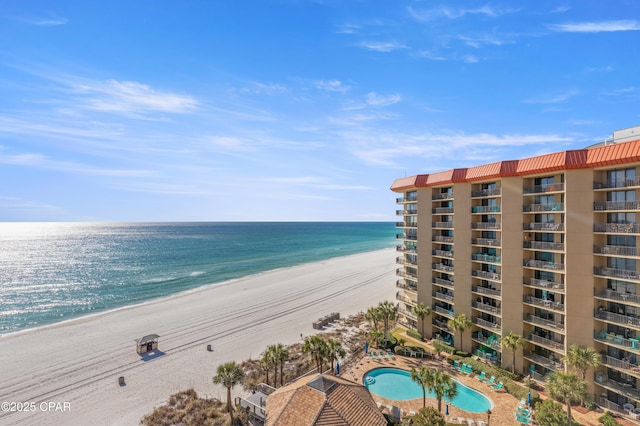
column 491, row 380
column 481, row 422
column 523, row 411
column 468, row 370
column 455, row 365
column 390, row 354
column 523, row 420
column 498, row 386
column 470, row 422
column 481, row 376
column 462, row 366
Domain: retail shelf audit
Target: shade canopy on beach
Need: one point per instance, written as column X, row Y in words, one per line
column 147, row 343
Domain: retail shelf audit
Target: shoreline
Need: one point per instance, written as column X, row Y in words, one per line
column 78, row 361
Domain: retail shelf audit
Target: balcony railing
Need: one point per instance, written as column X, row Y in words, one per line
column 616, row 205
column 441, row 324
column 632, row 345
column 619, row 363
column 447, row 225
column 614, row 295
column 616, row 250
column 404, row 273
column 442, row 267
column 545, row 227
column 406, row 237
column 549, row 207
column 616, row 273
column 481, row 257
column 543, row 322
column 486, row 324
column 442, row 253
column 444, row 296
column 546, row 342
column 486, row 274
column 443, row 311
column 548, row 363
column 492, row 341
column 627, row 320
column 442, row 210
column 440, row 281
column 542, row 245
column 485, row 209
column 486, row 307
column 486, row 242
column 407, row 199
column 619, row 183
column 406, row 224
column 625, row 388
column 407, row 212
column 487, row 291
column 542, row 264
column 542, row 378
column 406, row 249
column 485, row 225
column 617, row 228
column 442, row 239
column 544, row 284
column 547, row 304
column 442, row 196
column 486, row 192
column 401, row 284
column 539, row 189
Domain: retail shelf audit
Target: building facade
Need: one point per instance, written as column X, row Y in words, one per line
column 545, row 247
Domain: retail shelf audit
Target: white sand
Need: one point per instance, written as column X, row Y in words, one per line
column 78, row 362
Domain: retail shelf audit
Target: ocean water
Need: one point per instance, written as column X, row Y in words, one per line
column 51, row 272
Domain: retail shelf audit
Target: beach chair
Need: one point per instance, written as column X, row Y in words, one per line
column 523, row 412
column 462, row 367
column 498, row 386
column 523, row 420
column 455, row 365
column 522, row 402
column 470, row 422
column 481, row 376
column 491, row 380
column 390, row 354
column 468, row 370
column 481, row 422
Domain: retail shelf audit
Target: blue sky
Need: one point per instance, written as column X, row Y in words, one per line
column 292, row 110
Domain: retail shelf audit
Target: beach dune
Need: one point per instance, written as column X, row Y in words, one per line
column 67, row 374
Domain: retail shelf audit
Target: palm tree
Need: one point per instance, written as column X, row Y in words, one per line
column 373, row 315
column 442, row 385
column 280, row 355
column 513, row 341
column 460, row 323
column 267, row 362
column 335, row 351
column 428, row 416
column 229, row 375
column 421, row 311
column 270, row 353
column 422, row 377
column 316, row 346
column 566, row 387
column 581, row 359
column 388, row 312
column 375, row 336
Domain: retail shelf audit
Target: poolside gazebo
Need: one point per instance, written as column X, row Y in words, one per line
column 147, row 344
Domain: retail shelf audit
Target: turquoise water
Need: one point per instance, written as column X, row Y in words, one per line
column 392, row 383
column 50, row 272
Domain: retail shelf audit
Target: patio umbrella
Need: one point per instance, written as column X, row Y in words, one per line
column 366, row 347
column 337, row 368
column 446, row 411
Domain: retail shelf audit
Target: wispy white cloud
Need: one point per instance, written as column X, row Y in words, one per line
column 375, row 100
column 331, row 86
column 584, row 122
column 561, row 9
column 481, row 41
column 432, row 55
column 257, row 88
column 596, row 27
column 625, row 91
column 552, row 99
column 317, row 182
column 470, row 59
column 348, row 28
column 455, row 13
column 606, row 68
column 383, row 46
column 49, row 21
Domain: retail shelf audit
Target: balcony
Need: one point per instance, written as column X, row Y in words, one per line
column 620, row 183
column 544, row 227
column 402, row 272
column 485, row 242
column 442, row 253
column 487, row 291
column 543, row 264
column 618, row 297
column 446, row 225
column 541, row 189
column 485, row 193
column 485, row 209
column 539, row 340
column 624, row 388
column 626, row 320
column 481, row 257
column 492, row 341
column 442, row 210
column 615, row 250
column 616, row 205
column 406, row 237
column 444, row 296
column 543, row 245
column 533, row 319
column 616, row 273
column 626, row 366
column 441, row 324
column 547, row 304
column 407, row 212
column 544, row 284
column 486, row 274
column 406, row 249
column 442, row 239
column 550, row 207
column 631, row 345
column 403, row 298
column 548, row 363
column 442, row 311
column 406, row 224
column 440, row 281
column 485, row 225
column 404, row 286
column 485, row 307
column 407, row 199
column 617, row 228
column 542, row 378
column 443, row 196
column 486, row 324
column 442, row 267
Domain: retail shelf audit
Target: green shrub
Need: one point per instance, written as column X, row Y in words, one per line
column 607, row 419
column 462, row 354
column 443, row 347
column 414, row 334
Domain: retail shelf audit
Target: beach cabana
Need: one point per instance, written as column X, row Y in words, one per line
column 147, row 344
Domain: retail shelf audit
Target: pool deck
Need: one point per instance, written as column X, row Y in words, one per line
column 504, row 404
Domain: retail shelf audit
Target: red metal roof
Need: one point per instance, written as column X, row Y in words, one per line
column 404, row 183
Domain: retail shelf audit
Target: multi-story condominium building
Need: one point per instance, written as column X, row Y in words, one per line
column 545, row 247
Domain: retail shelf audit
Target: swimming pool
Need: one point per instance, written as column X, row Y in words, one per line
column 393, row 383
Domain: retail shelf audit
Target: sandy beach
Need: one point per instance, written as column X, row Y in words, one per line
column 67, row 374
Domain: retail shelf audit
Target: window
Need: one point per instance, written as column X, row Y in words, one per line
column 621, row 178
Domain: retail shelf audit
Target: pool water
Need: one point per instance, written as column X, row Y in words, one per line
column 393, row 383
